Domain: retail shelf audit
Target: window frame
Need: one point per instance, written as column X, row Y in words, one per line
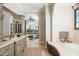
column 75, row 19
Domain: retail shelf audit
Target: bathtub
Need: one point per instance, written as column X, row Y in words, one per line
column 65, row 49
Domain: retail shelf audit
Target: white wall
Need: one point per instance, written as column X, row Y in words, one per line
column 63, row 20
column 23, row 27
column 41, row 16
column 48, row 23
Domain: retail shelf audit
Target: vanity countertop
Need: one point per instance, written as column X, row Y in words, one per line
column 6, row 43
column 66, row 49
column 11, row 41
column 19, row 38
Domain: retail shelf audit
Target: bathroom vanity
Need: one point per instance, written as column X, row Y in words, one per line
column 11, row 25
column 13, row 47
column 7, row 48
column 20, row 44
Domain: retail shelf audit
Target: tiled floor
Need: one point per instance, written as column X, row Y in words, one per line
column 34, row 48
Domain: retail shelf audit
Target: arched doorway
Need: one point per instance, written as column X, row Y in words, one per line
column 32, row 28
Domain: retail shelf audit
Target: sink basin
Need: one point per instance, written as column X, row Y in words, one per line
column 3, row 40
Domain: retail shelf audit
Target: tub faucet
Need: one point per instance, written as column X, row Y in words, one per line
column 64, row 36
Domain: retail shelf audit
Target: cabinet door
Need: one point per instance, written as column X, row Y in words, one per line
column 11, row 49
column 18, row 48
column 24, row 43
column 5, row 51
column 2, row 51
column 11, row 52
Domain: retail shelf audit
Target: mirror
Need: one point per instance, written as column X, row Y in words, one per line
column 18, row 25
column 10, row 23
column 7, row 29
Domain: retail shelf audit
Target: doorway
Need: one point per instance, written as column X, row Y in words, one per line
column 32, row 30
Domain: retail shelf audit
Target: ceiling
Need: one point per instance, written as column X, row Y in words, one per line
column 30, row 7
column 23, row 8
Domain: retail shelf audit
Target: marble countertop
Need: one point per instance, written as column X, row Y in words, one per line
column 66, row 49
column 19, row 38
column 6, row 43
column 11, row 41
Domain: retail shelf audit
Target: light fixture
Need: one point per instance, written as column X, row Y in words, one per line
column 31, row 18
column 17, row 21
column 75, row 6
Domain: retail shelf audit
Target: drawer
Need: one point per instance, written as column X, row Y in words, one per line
column 21, row 41
column 11, row 45
column 18, row 42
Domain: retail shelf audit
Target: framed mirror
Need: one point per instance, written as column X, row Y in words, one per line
column 7, row 24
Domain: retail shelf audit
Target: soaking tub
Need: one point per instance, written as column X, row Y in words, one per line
column 65, row 48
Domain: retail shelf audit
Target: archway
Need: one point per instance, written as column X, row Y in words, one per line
column 32, row 27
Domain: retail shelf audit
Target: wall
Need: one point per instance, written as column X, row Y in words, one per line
column 41, row 16
column 48, row 17
column 63, row 20
column 23, row 27
column 48, row 23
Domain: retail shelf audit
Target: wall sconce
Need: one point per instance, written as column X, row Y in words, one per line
column 75, row 6
column 17, row 21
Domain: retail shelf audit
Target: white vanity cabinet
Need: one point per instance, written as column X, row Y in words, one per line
column 20, row 44
column 7, row 50
column 13, row 47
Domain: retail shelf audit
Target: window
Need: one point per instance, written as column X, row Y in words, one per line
column 76, row 19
